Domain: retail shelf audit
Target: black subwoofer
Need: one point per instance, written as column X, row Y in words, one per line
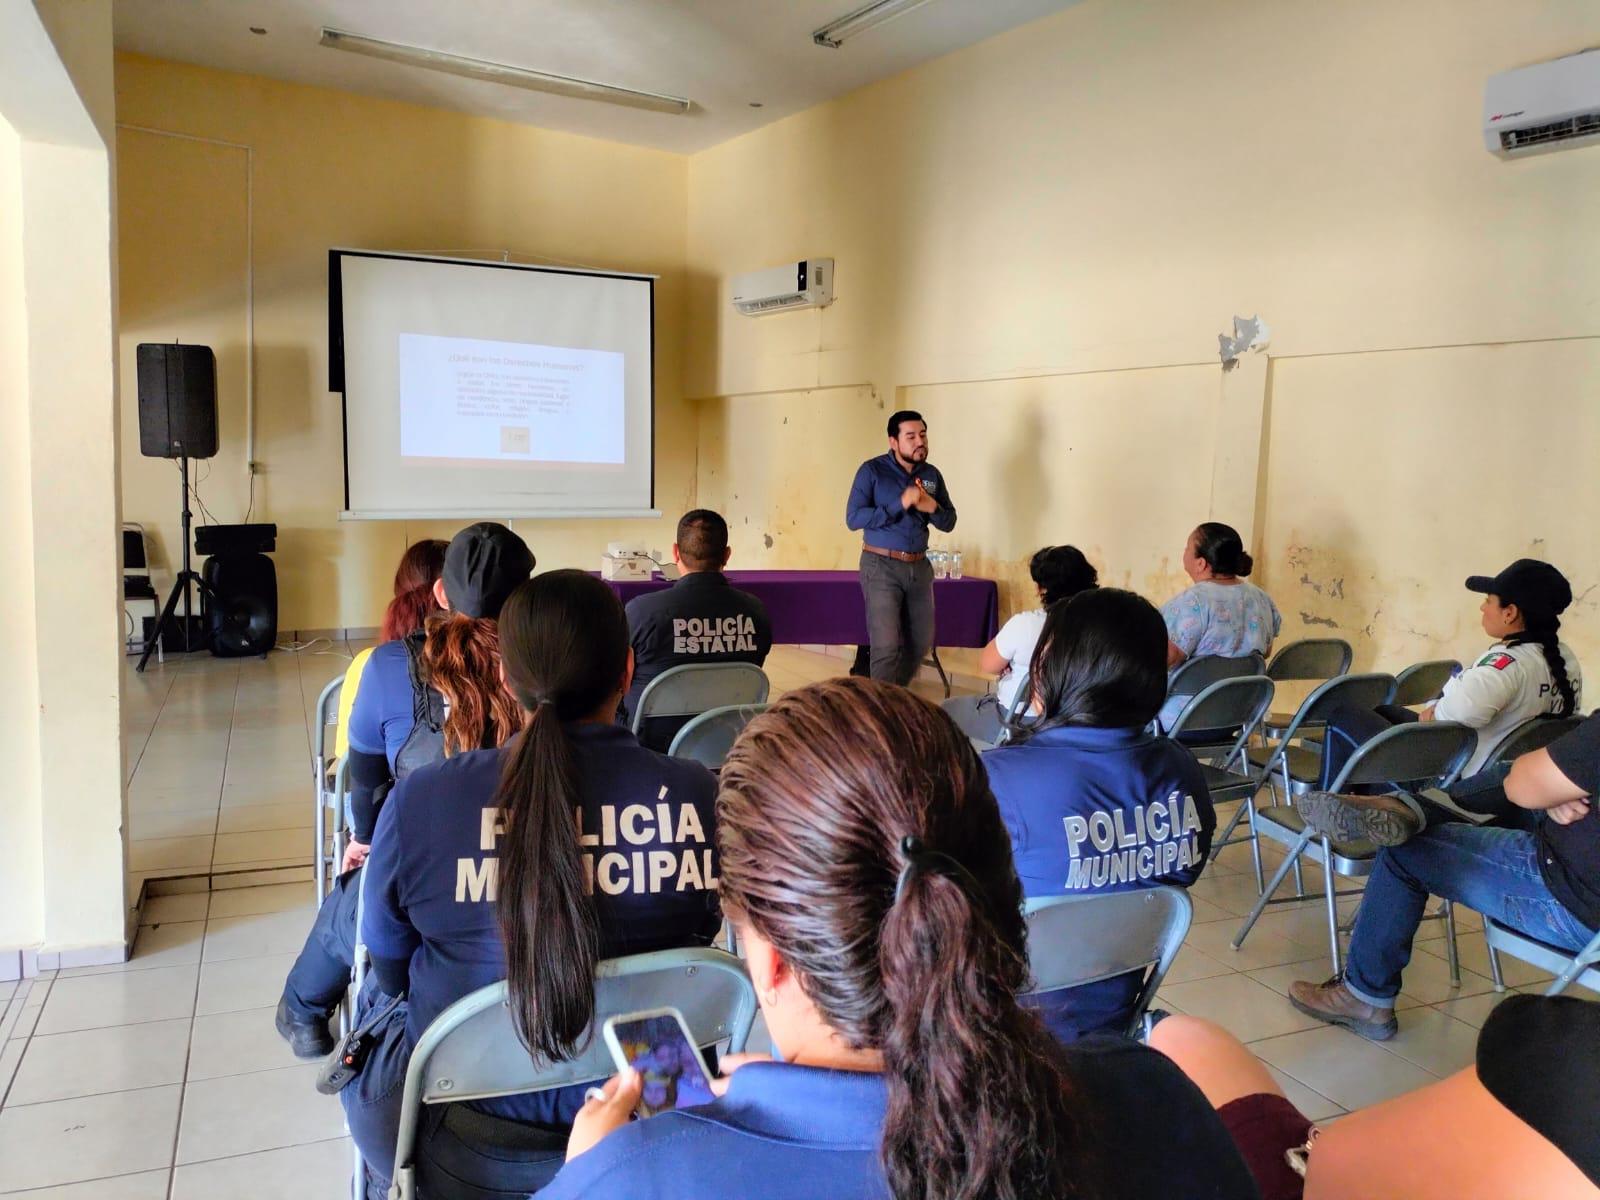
column 242, row 605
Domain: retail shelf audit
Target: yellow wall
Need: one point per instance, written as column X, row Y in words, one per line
column 1038, row 239
column 333, row 169
column 61, row 846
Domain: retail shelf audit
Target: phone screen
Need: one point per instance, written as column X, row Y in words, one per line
column 668, row 1064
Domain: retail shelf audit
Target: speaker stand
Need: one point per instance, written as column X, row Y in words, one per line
column 180, row 585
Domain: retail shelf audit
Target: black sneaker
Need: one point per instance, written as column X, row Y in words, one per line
column 1386, row 820
column 308, row 1039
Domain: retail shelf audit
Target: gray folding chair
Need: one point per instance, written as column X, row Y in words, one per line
column 1194, row 675
column 1074, row 940
column 471, row 1051
column 1018, row 718
column 1428, row 750
column 322, row 767
column 708, row 738
column 332, row 829
column 1421, row 683
column 1567, row 967
column 690, row 690
column 1533, row 734
column 1240, row 704
column 1308, row 658
column 1300, row 767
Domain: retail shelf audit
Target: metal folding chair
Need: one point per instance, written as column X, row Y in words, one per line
column 708, row 738
column 1308, row 658
column 332, row 829
column 1194, row 675
column 1017, row 719
column 1300, row 766
column 1421, row 683
column 471, row 1051
column 1567, row 967
column 690, row 690
column 322, row 768
column 1430, row 750
column 1533, row 734
column 1074, row 940
column 1240, row 704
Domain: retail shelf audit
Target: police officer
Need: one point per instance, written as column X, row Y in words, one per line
column 701, row 618
column 893, row 500
column 572, row 842
column 1093, row 802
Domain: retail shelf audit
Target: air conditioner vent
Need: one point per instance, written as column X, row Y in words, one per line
column 1582, row 125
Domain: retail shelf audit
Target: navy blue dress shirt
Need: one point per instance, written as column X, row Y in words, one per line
column 875, row 506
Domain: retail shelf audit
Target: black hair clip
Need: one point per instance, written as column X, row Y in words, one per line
column 919, row 858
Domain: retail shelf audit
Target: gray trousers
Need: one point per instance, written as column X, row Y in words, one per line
column 899, row 598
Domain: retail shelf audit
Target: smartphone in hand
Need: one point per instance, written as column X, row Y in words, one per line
column 656, row 1044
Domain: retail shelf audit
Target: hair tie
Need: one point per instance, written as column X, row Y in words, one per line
column 544, row 702
column 919, row 858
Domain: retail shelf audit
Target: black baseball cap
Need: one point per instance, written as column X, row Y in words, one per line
column 482, row 566
column 1533, row 586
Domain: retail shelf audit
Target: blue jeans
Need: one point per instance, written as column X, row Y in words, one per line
column 1495, row 871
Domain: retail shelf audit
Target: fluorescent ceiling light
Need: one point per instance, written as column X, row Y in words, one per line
column 493, row 72
column 868, row 16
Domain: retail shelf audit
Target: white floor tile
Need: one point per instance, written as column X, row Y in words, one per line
column 118, row 1058
column 1434, row 1041
column 1474, row 1010
column 1338, row 1064
column 235, row 1043
column 96, row 1137
column 267, row 845
column 243, row 983
column 276, row 897
column 257, row 935
column 119, row 998
column 163, row 910
column 1262, row 948
column 1243, row 1007
column 170, row 854
column 266, row 1110
column 176, row 944
column 1312, row 1105
column 248, row 818
column 147, row 1185
column 318, row 1171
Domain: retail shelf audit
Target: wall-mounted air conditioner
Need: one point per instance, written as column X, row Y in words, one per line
column 1549, row 106
column 804, row 284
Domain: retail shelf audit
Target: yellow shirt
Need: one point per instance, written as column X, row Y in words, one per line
column 347, row 701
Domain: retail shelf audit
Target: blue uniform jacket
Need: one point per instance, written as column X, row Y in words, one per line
column 645, row 829
column 1100, row 810
column 875, row 507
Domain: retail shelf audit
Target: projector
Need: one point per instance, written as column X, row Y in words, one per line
column 623, row 560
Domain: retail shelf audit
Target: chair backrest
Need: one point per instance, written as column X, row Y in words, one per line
column 327, row 723
column 1422, row 682
column 1354, row 691
column 1311, row 658
column 1240, row 703
column 1430, row 751
column 690, row 690
column 1074, row 940
column 708, row 738
column 1197, row 674
column 472, row 1051
column 1533, row 734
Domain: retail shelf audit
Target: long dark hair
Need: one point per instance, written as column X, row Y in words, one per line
column 1061, row 572
column 564, row 644
column 1223, row 549
column 1101, row 660
column 815, row 800
column 414, row 601
column 1544, row 631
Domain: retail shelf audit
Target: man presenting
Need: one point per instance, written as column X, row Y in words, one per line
column 893, row 501
column 701, row 618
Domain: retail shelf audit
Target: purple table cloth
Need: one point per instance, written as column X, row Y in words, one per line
column 826, row 608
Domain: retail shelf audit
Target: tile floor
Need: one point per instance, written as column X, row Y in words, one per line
column 163, row 1079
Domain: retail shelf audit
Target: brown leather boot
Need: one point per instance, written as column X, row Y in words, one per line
column 1332, row 1002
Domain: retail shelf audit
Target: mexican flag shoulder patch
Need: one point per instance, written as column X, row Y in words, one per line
column 1498, row 659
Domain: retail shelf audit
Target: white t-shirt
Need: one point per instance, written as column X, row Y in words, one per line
column 1505, row 687
column 1016, row 641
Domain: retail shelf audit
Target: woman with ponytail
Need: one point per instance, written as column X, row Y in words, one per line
column 1527, row 672
column 530, row 863
column 867, row 870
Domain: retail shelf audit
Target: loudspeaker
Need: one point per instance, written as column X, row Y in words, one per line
column 261, row 538
column 242, row 607
column 177, row 400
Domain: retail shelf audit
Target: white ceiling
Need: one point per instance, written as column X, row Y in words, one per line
column 720, row 54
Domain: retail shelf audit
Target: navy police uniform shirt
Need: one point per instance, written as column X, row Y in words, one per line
column 701, row 618
column 786, row 1132
column 1100, row 810
column 874, row 505
column 646, row 832
column 381, row 718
